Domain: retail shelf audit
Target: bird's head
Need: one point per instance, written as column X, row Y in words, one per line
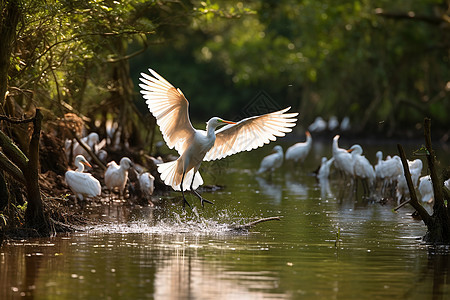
column 356, row 149
column 216, row 122
column 80, row 158
column 93, row 137
column 277, row 149
column 126, row 163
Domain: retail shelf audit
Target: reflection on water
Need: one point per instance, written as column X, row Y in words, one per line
column 328, row 244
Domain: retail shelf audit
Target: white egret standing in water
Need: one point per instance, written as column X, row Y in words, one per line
column 170, row 108
column 299, row 151
column 426, row 189
column 82, row 184
column 117, row 175
column 362, row 168
column 272, row 161
column 146, row 182
column 342, row 158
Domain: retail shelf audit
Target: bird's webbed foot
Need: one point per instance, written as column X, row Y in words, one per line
column 202, row 200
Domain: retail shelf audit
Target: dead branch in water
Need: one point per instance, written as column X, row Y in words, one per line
column 253, row 223
column 412, row 193
column 402, row 204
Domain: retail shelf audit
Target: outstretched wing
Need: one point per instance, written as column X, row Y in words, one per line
column 170, row 108
column 251, row 133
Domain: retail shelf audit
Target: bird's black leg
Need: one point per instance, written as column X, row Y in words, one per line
column 198, row 195
column 182, row 192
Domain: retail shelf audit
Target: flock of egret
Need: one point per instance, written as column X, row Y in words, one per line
column 170, row 108
column 353, row 166
column 84, row 184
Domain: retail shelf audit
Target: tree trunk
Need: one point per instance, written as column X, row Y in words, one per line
column 34, row 215
column 438, row 224
column 9, row 18
column 4, row 194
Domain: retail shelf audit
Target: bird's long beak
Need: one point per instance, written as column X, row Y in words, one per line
column 86, row 164
column 228, row 122
column 350, row 150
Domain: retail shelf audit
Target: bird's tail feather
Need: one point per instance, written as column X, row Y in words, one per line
column 172, row 172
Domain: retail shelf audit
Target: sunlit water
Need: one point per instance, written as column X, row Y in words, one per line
column 328, row 244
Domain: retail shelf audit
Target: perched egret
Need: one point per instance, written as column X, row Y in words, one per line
column 146, row 183
column 362, row 168
column 117, row 175
column 426, row 189
column 342, row 158
column 82, row 184
column 272, row 161
column 299, row 151
column 447, row 183
column 170, row 108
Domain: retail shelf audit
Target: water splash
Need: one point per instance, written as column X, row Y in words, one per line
column 188, row 223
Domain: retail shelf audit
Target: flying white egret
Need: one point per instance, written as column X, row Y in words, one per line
column 170, row 108
column 299, row 151
column 82, row 184
column 272, row 161
column 117, row 175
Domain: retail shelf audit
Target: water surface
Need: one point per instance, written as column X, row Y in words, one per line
column 329, row 244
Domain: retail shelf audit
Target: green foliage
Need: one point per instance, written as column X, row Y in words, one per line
column 379, row 62
column 383, row 63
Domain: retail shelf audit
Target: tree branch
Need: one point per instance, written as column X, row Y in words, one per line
column 435, row 180
column 12, row 151
column 412, row 16
column 412, row 193
column 251, row 224
column 10, row 168
column 91, row 153
column 15, row 121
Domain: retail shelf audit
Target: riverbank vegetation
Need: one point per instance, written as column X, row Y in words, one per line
column 72, row 67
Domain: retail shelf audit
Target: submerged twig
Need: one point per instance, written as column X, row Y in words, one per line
column 253, row 223
column 402, row 204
